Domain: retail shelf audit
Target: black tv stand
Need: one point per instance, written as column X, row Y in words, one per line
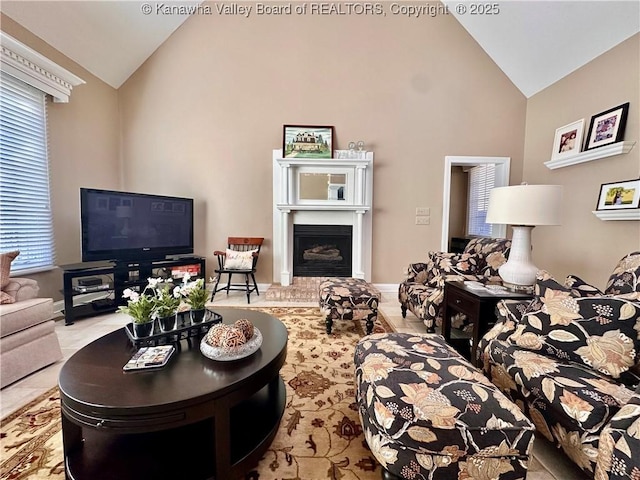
column 180, row 257
column 119, row 276
column 85, row 265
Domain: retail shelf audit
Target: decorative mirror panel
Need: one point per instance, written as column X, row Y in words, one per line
column 322, row 186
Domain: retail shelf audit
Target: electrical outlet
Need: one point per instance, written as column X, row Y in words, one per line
column 423, row 220
column 423, row 211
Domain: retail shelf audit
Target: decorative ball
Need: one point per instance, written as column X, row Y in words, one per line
column 214, row 334
column 246, row 326
column 232, row 337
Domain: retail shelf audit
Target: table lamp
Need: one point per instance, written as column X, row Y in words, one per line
column 523, row 207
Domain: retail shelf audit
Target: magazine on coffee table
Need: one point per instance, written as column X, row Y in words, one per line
column 150, row 357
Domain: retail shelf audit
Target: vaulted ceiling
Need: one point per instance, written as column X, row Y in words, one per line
column 535, row 43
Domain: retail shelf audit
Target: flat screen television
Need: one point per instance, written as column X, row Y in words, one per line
column 127, row 226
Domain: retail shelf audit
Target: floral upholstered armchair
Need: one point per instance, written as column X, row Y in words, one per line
column 422, row 291
column 570, row 358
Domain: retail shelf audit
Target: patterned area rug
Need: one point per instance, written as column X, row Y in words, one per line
column 320, row 436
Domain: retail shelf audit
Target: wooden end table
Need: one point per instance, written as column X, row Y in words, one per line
column 479, row 305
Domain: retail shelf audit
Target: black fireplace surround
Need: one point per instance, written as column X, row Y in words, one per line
column 322, row 250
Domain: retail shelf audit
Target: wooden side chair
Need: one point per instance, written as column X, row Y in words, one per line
column 240, row 257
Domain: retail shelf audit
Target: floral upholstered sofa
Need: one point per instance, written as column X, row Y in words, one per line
column 570, row 359
column 422, row 291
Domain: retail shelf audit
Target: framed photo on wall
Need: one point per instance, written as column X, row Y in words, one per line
column 607, row 127
column 568, row 140
column 310, row 141
column 619, row 195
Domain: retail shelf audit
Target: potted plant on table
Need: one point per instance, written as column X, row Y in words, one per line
column 196, row 296
column 140, row 307
column 166, row 302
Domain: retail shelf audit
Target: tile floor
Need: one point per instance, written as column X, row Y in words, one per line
column 552, row 465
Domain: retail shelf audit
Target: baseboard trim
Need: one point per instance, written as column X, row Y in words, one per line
column 262, row 287
column 386, row 287
column 58, row 306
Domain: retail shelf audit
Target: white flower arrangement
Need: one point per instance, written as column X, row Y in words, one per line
column 157, row 300
column 194, row 293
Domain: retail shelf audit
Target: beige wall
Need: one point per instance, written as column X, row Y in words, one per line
column 84, row 150
column 585, row 245
column 201, row 117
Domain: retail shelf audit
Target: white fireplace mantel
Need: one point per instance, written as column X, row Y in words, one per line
column 291, row 208
column 325, row 208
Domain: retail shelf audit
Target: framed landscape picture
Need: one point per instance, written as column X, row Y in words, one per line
column 568, row 140
column 312, row 141
column 619, row 195
column 607, row 127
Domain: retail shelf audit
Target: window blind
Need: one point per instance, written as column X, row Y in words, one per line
column 481, row 181
column 25, row 209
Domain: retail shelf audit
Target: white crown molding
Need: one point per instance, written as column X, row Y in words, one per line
column 38, row 71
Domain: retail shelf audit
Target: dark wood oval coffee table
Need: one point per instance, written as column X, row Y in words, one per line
column 193, row 418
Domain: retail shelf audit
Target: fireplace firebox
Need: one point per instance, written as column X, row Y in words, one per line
column 322, row 250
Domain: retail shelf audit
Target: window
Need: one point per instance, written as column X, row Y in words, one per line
column 481, row 181
column 25, row 209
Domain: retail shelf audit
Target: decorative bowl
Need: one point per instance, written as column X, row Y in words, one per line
column 236, row 353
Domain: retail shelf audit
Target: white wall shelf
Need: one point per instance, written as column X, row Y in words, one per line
column 595, row 154
column 630, row 214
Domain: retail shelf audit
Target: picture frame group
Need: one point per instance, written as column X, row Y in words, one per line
column 307, row 141
column 604, row 128
column 619, row 195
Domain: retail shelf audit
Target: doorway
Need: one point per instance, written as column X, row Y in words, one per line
column 501, row 180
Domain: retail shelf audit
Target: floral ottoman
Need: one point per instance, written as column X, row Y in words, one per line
column 348, row 299
column 427, row 413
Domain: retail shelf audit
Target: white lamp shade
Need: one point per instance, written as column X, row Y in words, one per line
column 525, row 205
